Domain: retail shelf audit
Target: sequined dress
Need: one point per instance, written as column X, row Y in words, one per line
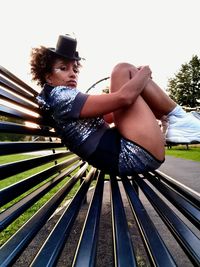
column 82, row 135
column 64, row 104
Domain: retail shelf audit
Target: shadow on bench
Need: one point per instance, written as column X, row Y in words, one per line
column 58, row 210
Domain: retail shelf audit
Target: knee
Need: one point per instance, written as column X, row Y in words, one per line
column 124, row 68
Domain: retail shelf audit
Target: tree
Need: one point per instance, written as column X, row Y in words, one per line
column 184, row 88
column 106, row 90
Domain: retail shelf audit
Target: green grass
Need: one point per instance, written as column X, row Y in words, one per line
column 181, row 151
column 15, row 157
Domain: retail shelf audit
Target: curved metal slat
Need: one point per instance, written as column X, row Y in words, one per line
column 183, row 205
column 6, row 84
column 123, row 250
column 18, row 81
column 86, row 250
column 10, row 251
column 14, row 113
column 13, row 168
column 8, row 111
column 55, row 242
column 11, row 192
column 9, row 215
column 157, row 250
column 7, row 148
column 7, row 96
column 185, row 237
column 9, row 127
column 192, row 196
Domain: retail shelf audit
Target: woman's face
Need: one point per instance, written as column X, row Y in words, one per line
column 64, row 73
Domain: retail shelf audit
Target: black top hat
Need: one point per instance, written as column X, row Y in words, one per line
column 66, row 47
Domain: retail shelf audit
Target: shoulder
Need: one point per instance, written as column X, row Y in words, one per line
column 68, row 95
column 63, row 92
column 64, row 89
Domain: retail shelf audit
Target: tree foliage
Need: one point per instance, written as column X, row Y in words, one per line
column 184, row 88
column 106, row 90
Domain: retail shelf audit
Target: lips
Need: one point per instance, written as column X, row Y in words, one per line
column 72, row 83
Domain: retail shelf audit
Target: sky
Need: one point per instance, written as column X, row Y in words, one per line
column 161, row 34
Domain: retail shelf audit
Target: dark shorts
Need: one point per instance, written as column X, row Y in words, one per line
column 120, row 156
column 106, row 155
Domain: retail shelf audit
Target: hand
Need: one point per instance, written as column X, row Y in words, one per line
column 146, row 70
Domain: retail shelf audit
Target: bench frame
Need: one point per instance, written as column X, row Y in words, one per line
column 158, row 188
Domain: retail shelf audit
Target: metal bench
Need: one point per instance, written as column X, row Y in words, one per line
column 51, row 216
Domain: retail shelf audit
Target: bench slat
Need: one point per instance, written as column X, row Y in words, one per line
column 189, row 210
column 11, row 192
column 13, row 168
column 7, row 96
column 10, row 214
column 11, row 250
column 16, row 89
column 14, row 113
column 156, row 249
column 189, row 194
column 16, row 80
column 8, row 127
column 86, row 251
column 55, row 242
column 7, row 148
column 185, row 237
column 122, row 240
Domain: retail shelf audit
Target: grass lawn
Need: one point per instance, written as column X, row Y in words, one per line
column 192, row 153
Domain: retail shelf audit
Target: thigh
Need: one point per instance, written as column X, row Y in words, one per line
column 136, row 122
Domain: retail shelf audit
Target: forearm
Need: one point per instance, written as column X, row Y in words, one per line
column 134, row 87
column 99, row 105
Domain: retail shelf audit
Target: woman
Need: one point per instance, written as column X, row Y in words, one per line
column 135, row 144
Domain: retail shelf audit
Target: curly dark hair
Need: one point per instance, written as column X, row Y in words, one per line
column 42, row 60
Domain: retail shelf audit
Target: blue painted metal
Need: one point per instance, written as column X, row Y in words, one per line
column 123, row 250
column 186, row 207
column 49, row 253
column 11, row 250
column 155, row 247
column 86, row 250
column 185, row 237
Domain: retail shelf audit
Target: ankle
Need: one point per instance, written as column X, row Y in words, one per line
column 177, row 112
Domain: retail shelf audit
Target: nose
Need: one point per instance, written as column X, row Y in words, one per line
column 72, row 72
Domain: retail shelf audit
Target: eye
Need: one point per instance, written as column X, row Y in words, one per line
column 63, row 68
column 75, row 69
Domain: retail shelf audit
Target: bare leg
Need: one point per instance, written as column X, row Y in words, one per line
column 137, row 122
column 159, row 102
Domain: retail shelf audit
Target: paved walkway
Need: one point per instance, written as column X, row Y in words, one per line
column 185, row 171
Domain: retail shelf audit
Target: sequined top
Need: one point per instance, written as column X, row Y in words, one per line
column 63, row 105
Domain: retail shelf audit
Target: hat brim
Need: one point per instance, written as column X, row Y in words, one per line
column 65, row 56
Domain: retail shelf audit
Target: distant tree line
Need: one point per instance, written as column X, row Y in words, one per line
column 184, row 87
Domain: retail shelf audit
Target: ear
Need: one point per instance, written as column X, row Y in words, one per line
column 48, row 78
